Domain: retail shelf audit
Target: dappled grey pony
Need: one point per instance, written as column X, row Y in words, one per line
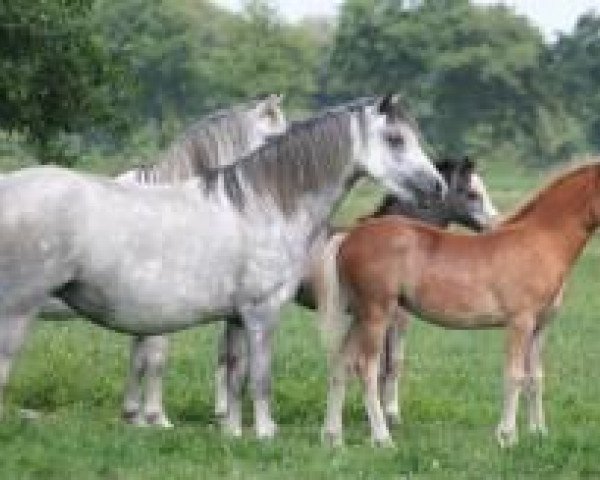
column 216, row 140
column 237, row 239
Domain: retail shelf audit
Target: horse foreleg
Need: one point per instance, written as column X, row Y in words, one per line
column 535, row 373
column 260, row 324
column 519, row 335
column 392, row 365
column 234, row 365
column 13, row 329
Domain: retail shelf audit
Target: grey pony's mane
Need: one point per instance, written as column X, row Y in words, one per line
column 215, row 140
column 311, row 155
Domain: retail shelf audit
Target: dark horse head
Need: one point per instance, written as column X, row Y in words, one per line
column 466, row 203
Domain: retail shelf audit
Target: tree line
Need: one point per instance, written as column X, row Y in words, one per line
column 480, row 79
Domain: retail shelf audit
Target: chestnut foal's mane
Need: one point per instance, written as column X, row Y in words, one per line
column 562, row 178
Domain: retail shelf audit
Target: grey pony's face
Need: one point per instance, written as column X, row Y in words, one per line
column 269, row 117
column 467, row 202
column 394, row 155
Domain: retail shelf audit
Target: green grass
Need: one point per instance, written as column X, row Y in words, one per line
column 73, row 373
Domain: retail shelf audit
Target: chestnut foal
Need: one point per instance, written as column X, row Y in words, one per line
column 509, row 277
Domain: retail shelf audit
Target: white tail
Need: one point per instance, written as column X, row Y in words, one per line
column 331, row 299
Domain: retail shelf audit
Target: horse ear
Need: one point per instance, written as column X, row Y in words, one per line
column 385, row 104
column 467, row 165
column 276, row 98
column 444, row 164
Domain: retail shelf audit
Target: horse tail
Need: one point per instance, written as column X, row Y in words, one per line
column 331, row 298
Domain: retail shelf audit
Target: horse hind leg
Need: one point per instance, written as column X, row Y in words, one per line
column 221, row 373
column 147, row 365
column 234, row 365
column 259, row 323
column 155, row 349
column 535, row 378
column 132, row 401
column 13, row 330
column 339, row 362
column 373, row 326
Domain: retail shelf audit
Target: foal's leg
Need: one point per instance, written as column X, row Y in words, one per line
column 391, row 365
column 235, row 366
column 259, row 322
column 13, row 329
column 537, row 423
column 519, row 335
column 373, row 324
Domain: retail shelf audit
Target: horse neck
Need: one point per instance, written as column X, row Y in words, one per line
column 197, row 152
column 314, row 210
column 563, row 212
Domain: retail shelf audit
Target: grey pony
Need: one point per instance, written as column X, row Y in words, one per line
column 148, row 260
column 216, row 140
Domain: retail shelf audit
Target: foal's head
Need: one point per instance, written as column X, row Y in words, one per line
column 468, row 201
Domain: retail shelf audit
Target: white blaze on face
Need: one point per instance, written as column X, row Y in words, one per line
column 478, row 187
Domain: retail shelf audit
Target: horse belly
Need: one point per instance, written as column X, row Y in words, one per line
column 148, row 307
column 147, row 290
column 456, row 305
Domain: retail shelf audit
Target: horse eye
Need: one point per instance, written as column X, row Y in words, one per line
column 395, row 141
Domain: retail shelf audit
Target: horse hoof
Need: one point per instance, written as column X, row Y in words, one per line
column 540, row 430
column 158, row 419
column 221, row 412
column 231, row 429
column 266, row 431
column 133, row 417
column 385, row 442
column 28, row 414
column 332, row 439
column 393, row 419
column 506, row 437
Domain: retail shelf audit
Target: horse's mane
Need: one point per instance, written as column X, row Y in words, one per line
column 558, row 178
column 309, row 156
column 215, row 140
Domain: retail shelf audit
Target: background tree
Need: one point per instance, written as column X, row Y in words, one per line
column 476, row 74
column 575, row 60
column 56, row 75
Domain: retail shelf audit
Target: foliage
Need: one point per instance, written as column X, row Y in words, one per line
column 476, row 74
column 481, row 79
column 56, row 75
column 575, row 59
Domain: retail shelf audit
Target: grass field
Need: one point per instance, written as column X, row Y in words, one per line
column 73, row 373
